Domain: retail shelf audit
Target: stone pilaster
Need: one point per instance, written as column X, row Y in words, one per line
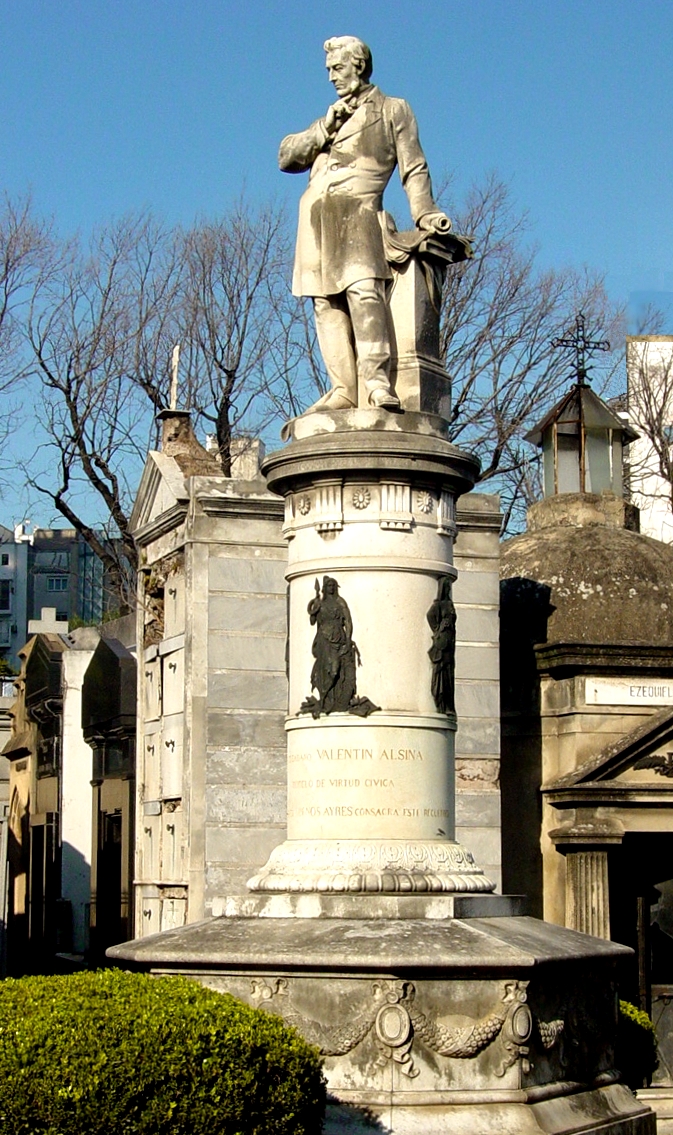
column 587, row 895
column 585, row 842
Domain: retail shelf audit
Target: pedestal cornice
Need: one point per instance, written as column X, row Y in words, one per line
column 418, row 452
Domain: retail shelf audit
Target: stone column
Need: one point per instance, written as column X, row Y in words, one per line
column 585, row 841
column 370, row 507
column 587, row 895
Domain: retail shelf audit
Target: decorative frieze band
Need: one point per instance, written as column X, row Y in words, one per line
column 395, row 506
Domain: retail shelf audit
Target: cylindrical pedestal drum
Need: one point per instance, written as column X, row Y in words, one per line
column 370, row 519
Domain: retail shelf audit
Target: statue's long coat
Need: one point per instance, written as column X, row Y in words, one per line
column 339, row 239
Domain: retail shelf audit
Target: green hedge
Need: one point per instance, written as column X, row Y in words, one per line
column 113, row 1053
column 636, row 1048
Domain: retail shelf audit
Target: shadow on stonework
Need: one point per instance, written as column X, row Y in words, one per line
column 349, row 1119
column 525, row 609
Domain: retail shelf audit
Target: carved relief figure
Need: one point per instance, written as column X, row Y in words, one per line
column 340, row 258
column 442, row 653
column 336, row 655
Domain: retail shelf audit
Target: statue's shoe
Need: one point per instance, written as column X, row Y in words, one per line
column 384, row 400
column 333, row 400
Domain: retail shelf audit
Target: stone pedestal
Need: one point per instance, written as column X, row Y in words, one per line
column 370, row 504
column 429, row 1020
column 439, row 1007
column 418, row 377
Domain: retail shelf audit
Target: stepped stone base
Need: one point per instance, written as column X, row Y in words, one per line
column 427, row 1023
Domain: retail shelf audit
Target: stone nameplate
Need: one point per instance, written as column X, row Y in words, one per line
column 628, row 691
column 369, row 782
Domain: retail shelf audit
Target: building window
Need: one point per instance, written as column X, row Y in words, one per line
column 4, row 559
column 5, row 594
column 61, row 616
column 57, row 583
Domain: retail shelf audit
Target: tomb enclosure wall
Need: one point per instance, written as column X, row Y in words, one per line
column 212, row 690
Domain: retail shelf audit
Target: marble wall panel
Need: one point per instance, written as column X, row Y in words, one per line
column 249, row 690
column 256, row 729
column 246, row 652
column 247, row 766
column 479, row 662
column 478, row 699
column 174, row 605
column 471, row 586
column 247, row 575
column 265, row 614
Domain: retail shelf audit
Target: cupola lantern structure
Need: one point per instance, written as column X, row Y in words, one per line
column 582, row 441
column 582, row 438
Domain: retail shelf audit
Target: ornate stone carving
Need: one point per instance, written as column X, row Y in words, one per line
column 446, row 516
column 396, row 507
column 397, row 1023
column 329, row 507
column 304, row 504
column 442, row 653
column 425, row 502
column 391, row 866
column 361, row 497
column 336, row 656
column 517, row 1027
column 550, row 1032
column 332, row 1040
column 660, row 763
column 392, row 1025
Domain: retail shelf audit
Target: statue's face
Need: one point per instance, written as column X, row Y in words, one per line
column 343, row 72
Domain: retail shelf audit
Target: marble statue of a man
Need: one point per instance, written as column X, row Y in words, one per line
column 340, row 259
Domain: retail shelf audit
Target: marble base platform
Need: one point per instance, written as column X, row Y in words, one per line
column 482, row 1023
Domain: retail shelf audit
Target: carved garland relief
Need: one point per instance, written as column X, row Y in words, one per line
column 397, row 1023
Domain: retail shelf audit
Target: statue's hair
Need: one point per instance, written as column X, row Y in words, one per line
column 358, row 51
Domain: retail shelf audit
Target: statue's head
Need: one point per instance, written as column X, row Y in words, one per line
column 444, row 590
column 349, row 63
column 329, row 586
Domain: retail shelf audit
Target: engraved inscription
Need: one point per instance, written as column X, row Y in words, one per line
column 394, row 784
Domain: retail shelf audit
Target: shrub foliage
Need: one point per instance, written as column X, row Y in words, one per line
column 112, row 1053
column 636, row 1049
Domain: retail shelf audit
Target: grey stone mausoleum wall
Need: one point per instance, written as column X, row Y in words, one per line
column 477, row 599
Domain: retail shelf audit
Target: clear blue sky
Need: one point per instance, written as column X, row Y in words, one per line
column 110, row 105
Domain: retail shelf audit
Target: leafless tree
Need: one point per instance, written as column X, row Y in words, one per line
column 24, row 243
column 96, row 319
column 649, row 402
column 241, row 328
column 101, row 326
column 500, row 313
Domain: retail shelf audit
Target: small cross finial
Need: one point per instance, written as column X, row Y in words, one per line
column 582, row 346
column 175, row 364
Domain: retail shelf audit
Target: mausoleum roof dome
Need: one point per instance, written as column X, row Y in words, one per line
column 606, row 584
